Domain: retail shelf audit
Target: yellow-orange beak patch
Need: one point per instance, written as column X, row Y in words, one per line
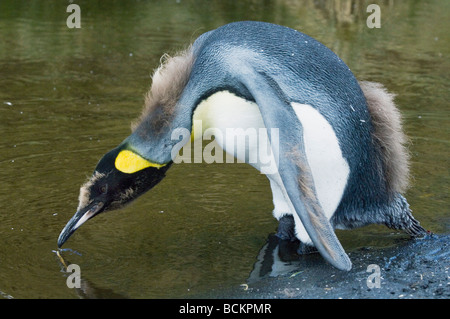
column 130, row 162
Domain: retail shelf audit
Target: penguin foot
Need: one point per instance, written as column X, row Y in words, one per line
column 286, row 228
column 286, row 234
column 305, row 249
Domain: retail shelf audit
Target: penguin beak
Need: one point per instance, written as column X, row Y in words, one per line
column 80, row 217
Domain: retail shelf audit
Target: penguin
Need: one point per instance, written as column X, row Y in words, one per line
column 338, row 145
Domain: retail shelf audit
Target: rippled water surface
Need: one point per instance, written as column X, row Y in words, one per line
column 68, row 95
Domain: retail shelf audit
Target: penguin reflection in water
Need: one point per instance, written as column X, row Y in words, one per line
column 341, row 156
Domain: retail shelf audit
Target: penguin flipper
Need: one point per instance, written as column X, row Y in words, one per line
column 293, row 166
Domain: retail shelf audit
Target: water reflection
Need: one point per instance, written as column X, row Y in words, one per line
column 277, row 257
column 87, row 289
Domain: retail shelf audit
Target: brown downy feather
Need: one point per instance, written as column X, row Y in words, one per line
column 85, row 191
column 168, row 82
column 388, row 134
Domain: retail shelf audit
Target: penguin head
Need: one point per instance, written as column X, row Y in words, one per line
column 121, row 176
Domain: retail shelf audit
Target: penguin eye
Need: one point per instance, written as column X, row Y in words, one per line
column 103, row 189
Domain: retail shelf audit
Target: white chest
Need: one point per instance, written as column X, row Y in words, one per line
column 225, row 111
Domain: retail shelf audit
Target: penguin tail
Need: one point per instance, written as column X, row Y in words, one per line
column 388, row 135
column 416, row 230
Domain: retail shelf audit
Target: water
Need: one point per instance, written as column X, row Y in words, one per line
column 68, row 95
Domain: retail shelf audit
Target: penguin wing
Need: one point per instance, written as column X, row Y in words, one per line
column 293, row 167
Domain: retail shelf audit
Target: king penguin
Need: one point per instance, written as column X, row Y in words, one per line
column 337, row 142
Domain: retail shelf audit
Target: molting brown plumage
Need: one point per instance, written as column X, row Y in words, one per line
column 388, row 135
column 168, row 82
column 85, row 194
